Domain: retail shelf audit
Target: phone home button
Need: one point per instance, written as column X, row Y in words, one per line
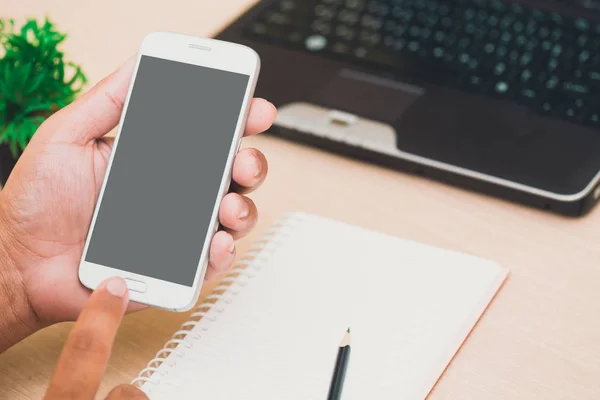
column 136, row 286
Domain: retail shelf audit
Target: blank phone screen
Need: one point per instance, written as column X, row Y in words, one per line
column 167, row 170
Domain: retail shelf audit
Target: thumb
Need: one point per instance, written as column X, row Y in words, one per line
column 92, row 115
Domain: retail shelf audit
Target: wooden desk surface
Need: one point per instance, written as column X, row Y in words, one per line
column 538, row 340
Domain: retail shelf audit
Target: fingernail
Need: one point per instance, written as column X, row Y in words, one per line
column 117, row 287
column 232, row 247
column 244, row 213
column 257, row 166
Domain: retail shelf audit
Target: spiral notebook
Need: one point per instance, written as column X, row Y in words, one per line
column 272, row 327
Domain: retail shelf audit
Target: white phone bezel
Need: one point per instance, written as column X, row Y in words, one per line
column 205, row 53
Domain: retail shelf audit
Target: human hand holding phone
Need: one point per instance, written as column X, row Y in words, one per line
column 83, row 360
column 48, row 202
column 158, row 207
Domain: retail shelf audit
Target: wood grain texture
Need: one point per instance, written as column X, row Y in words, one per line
column 539, row 338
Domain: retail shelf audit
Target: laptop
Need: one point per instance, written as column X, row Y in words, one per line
column 497, row 96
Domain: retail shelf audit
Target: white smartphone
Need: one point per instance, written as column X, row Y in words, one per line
column 181, row 127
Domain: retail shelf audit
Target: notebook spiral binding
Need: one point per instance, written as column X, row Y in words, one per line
column 228, row 287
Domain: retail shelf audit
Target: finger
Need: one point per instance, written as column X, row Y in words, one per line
column 261, row 117
column 249, row 170
column 83, row 360
column 238, row 215
column 222, row 254
column 92, row 115
column 126, row 392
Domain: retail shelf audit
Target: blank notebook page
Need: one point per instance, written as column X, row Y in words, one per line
column 275, row 331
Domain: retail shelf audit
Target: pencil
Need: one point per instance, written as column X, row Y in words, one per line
column 339, row 372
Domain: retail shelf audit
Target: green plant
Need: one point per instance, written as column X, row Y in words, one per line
column 35, row 80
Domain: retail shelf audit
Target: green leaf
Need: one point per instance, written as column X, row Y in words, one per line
column 6, row 134
column 35, row 79
column 34, row 108
column 35, row 83
column 24, row 137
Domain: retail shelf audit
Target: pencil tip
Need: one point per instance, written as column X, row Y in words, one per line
column 346, row 340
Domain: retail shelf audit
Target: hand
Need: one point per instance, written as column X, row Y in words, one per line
column 48, row 202
column 83, row 360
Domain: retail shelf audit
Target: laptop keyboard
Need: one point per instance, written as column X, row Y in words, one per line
column 543, row 60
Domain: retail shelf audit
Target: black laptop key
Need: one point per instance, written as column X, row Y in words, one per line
column 593, row 118
column 499, row 48
column 575, row 108
column 594, row 78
